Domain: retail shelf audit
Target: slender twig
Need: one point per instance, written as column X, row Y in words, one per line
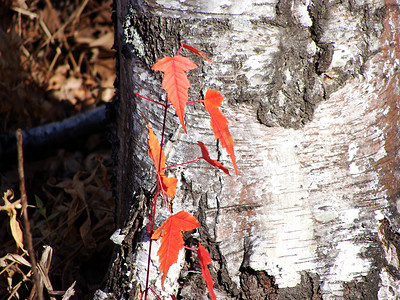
column 162, row 134
column 154, row 211
column 155, row 293
column 163, row 192
column 27, row 227
column 150, row 227
column 148, row 99
column 148, row 269
column 141, row 296
column 185, row 163
column 159, row 161
column 196, row 101
column 190, row 248
column 179, row 51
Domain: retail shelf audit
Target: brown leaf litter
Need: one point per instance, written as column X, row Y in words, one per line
column 56, row 61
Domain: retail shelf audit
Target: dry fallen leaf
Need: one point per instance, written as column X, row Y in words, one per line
column 14, row 258
column 51, row 18
column 70, row 292
column 11, row 209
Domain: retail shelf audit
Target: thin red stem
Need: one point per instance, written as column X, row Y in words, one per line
column 162, row 134
column 159, row 161
column 150, row 227
column 185, row 163
column 156, row 102
column 163, row 193
column 155, row 293
column 141, row 296
column 148, row 269
column 179, row 51
column 190, row 248
column 191, row 102
column 166, row 203
column 153, row 212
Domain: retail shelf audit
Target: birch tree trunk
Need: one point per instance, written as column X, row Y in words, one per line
column 312, row 95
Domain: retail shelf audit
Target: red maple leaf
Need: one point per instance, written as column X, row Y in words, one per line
column 219, row 124
column 164, row 183
column 206, row 157
column 176, row 82
column 205, row 259
column 172, row 239
column 154, row 150
column 168, row 185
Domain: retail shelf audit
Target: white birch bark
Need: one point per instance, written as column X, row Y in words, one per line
column 312, row 95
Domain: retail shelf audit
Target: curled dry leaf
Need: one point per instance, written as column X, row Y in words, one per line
column 14, row 258
column 11, row 209
column 70, row 292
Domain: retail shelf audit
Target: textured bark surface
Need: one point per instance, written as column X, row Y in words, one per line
column 312, row 95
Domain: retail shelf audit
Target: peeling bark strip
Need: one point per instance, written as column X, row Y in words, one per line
column 304, row 214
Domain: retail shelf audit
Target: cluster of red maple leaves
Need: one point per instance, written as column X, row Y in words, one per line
column 176, row 83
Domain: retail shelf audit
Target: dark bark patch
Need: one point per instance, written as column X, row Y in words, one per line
column 295, row 88
column 121, row 282
column 390, row 239
column 366, row 287
column 308, row 288
column 257, row 285
column 219, row 272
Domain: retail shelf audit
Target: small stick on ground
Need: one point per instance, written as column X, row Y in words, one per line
column 27, row 227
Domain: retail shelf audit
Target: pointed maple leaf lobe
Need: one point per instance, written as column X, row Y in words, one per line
column 205, row 259
column 219, row 124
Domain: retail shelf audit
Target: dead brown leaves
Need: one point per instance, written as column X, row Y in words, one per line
column 82, row 189
column 16, row 265
column 59, row 57
column 74, row 216
column 56, row 61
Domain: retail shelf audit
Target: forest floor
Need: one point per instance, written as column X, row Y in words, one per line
column 56, row 61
